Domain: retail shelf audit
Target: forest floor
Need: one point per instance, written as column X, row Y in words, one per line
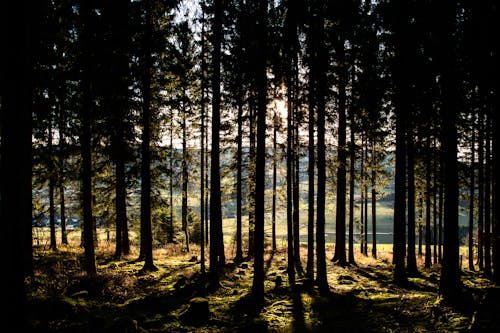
column 362, row 297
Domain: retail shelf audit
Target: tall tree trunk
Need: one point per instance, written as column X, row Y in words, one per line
column 495, row 183
column 170, row 226
column 146, row 233
column 411, row 260
column 16, row 158
column 202, row 152
column 62, row 203
column 289, row 185
column 487, row 201
column 428, row 189
column 374, row 202
column 311, row 154
column 239, row 179
column 402, row 106
column 480, row 200
column 296, row 196
column 251, row 178
column 434, row 203
column 51, row 171
column 321, row 274
column 185, row 179
column 85, row 138
column 120, row 206
column 260, row 163
column 352, row 177
column 450, row 283
column 340, row 232
column 215, row 190
column 472, row 195
column 362, row 239
column 275, row 162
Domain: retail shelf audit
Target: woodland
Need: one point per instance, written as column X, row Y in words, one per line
column 249, row 166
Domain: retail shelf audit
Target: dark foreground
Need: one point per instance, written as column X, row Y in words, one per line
column 362, row 298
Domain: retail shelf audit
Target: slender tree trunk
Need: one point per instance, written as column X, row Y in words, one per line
column 120, row 206
column 202, row 153
column 85, row 140
column 420, row 209
column 487, row 201
column 365, row 206
column 472, row 196
column 289, row 178
column 260, row 165
column 215, row 185
column 52, row 208
column 340, row 232
column 374, row 203
column 321, row 274
column 170, row 227
column 495, row 185
column 296, row 197
column 251, row 179
column 352, row 179
column 434, row 203
column 411, row 260
column 480, row 201
column 362, row 199
column 146, row 233
column 275, row 162
column 428, row 189
column 311, row 156
column 185, row 157
column 239, row 179
column 62, row 147
column 440, row 213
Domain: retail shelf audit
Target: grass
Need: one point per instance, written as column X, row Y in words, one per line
column 361, row 298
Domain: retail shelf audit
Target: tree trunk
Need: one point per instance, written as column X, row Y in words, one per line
column 374, row 203
column 362, row 239
column 146, row 233
column 275, row 162
column 202, row 153
column 215, row 190
column 85, row 139
column 16, row 159
column 450, row 283
column 260, row 163
column 411, row 260
column 296, row 197
column 311, row 154
column 480, row 200
column 321, row 275
column 340, row 232
column 185, row 179
column 428, row 254
column 487, row 201
column 352, row 179
column 239, row 196
column 51, row 171
column 471, row 196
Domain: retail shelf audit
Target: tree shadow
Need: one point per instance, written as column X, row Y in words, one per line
column 246, row 312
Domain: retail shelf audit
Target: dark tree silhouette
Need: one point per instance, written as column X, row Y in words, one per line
column 260, row 163
column 216, row 260
column 85, row 135
column 18, row 21
column 146, row 233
